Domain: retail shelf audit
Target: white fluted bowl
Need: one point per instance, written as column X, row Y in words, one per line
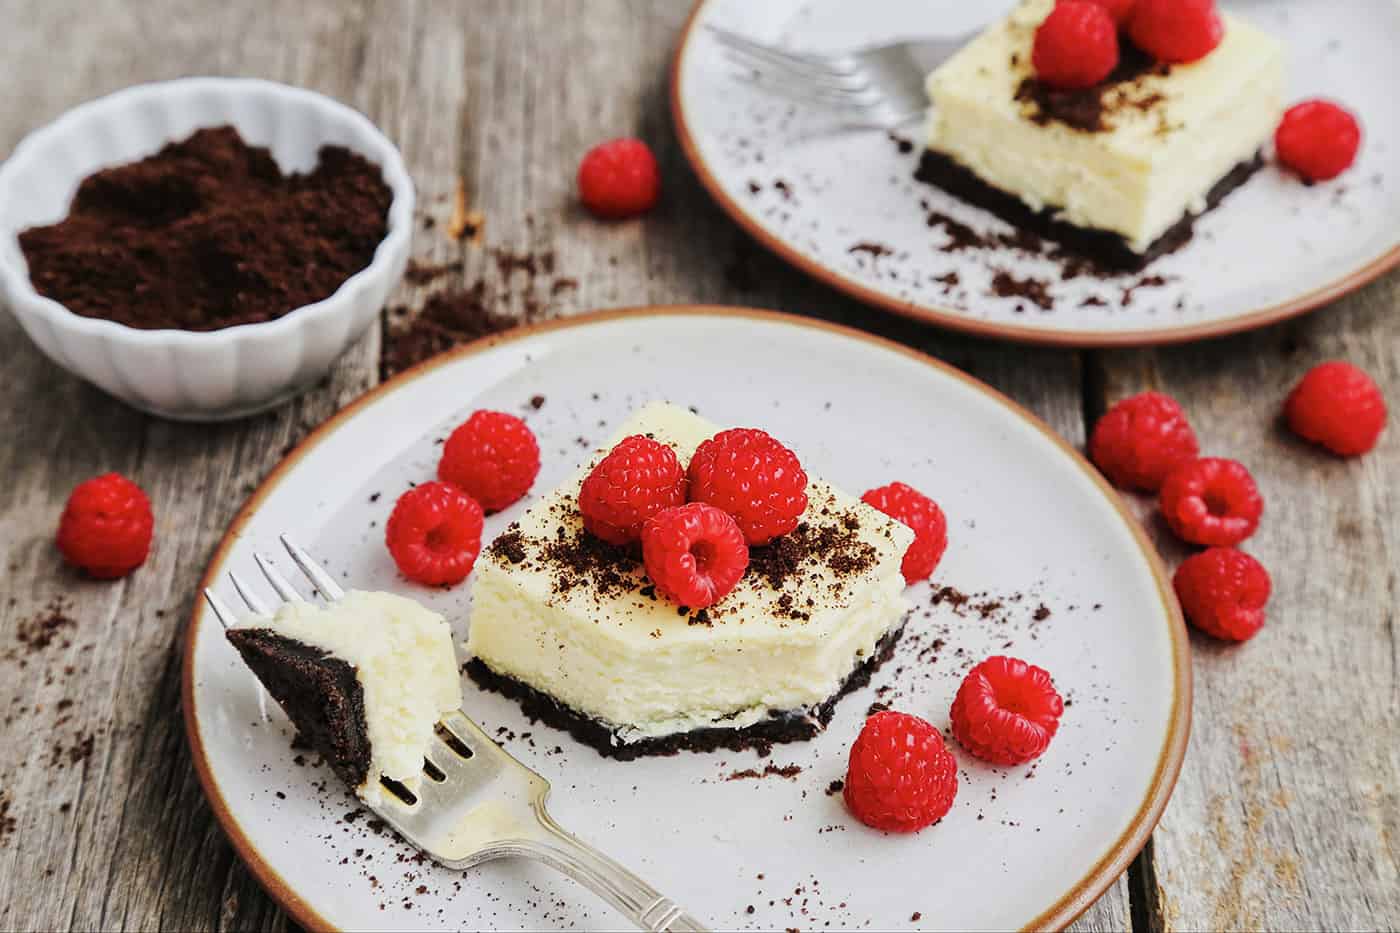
column 178, row 374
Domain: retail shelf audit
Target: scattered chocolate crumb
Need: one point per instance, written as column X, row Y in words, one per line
column 904, row 144
column 421, row 273
column 788, row 772
column 1042, row 612
column 1036, row 291
column 537, row 402
column 835, row 787
column 954, row 597
column 447, row 319
column 1147, row 281
column 874, row 250
column 44, row 628
column 915, row 917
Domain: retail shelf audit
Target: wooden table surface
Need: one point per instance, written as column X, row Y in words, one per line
column 1287, row 813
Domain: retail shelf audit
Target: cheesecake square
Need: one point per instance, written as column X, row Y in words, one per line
column 1117, row 171
column 570, row 625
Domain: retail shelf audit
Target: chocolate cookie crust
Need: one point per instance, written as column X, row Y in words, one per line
column 319, row 693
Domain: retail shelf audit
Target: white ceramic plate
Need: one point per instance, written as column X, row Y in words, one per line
column 1031, row 525
column 1273, row 249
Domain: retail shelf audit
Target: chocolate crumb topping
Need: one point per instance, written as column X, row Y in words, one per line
column 510, row 545
column 579, row 558
column 1087, row 109
column 829, row 544
column 797, row 555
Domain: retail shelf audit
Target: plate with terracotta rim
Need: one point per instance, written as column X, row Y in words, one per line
column 845, row 207
column 1044, row 563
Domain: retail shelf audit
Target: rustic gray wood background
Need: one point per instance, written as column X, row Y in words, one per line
column 1287, row 813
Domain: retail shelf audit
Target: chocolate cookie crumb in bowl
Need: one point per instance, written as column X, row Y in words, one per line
column 245, row 355
column 209, row 233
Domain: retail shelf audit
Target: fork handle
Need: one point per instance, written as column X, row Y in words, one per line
column 638, row 901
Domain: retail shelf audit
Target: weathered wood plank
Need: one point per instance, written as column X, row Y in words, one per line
column 1287, row 815
column 505, row 96
column 135, row 846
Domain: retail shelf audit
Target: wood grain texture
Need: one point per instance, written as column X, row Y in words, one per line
column 1286, row 815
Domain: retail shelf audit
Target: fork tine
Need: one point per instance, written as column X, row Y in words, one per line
column 248, row 595
column 808, row 65
column 856, row 83
column 314, row 572
column 276, row 580
column 222, row 612
column 771, row 81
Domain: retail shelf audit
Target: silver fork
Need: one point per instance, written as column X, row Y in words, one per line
column 477, row 802
column 881, row 86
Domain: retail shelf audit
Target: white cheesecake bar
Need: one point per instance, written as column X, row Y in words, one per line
column 364, row 680
column 570, row 625
column 1136, row 157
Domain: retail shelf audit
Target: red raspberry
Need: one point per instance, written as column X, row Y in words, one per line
column 1142, row 439
column 694, row 554
column 919, row 512
column 1223, row 592
column 754, row 478
column 1212, row 502
column 434, row 534
column 901, row 777
column 1317, row 139
column 619, row 179
column 638, row 478
column 1176, row 31
column 1338, row 406
column 106, row 527
column 1120, row 10
column 492, row 457
column 1006, row 711
column 1076, row 46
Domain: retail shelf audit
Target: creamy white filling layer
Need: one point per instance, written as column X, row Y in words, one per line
column 404, row 660
column 1155, row 162
column 679, row 685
